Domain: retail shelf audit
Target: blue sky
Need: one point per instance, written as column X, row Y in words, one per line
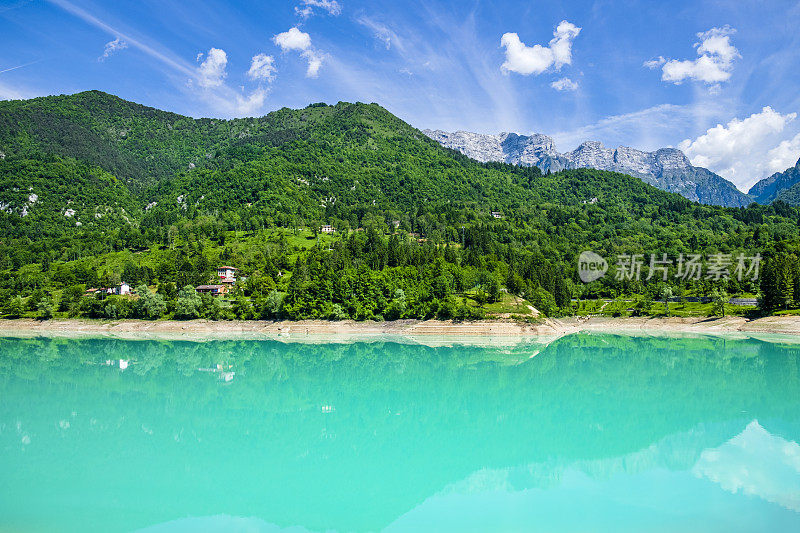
column 717, row 79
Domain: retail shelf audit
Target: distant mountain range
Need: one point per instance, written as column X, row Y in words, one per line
column 780, row 186
column 667, row 168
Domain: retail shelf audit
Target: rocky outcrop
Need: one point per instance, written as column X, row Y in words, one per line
column 667, row 168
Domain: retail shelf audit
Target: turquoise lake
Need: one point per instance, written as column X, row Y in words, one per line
column 591, row 432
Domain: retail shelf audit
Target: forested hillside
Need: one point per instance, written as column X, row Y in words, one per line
column 95, row 190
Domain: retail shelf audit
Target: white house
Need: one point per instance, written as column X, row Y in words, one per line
column 327, row 228
column 227, row 274
column 120, row 290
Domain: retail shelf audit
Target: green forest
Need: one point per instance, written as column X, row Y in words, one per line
column 96, row 191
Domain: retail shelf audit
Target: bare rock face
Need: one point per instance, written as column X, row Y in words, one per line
column 667, row 168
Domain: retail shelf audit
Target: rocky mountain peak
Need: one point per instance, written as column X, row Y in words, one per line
column 591, row 145
column 667, row 168
column 672, row 159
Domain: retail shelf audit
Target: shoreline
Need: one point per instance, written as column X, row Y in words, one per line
column 429, row 332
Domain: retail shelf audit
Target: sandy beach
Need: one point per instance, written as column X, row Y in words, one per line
column 481, row 332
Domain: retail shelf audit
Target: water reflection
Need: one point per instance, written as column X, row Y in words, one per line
column 756, row 463
column 357, row 437
column 652, row 489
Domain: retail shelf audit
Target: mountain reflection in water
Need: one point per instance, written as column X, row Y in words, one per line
column 601, row 432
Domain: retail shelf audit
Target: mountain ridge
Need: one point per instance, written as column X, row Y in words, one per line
column 779, row 186
column 666, row 168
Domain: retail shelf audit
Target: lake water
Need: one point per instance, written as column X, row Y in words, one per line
column 588, row 433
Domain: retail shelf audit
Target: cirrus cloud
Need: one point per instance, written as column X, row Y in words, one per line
column 306, row 9
column 111, row 47
column 527, row 60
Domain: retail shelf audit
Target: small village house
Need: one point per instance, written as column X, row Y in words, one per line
column 213, row 290
column 123, row 289
column 227, row 274
column 327, row 228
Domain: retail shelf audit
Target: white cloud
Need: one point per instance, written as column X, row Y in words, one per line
column 744, row 151
column 756, row 463
column 713, row 66
column 111, row 47
column 210, row 77
column 655, row 63
column 296, row 40
column 262, row 67
column 304, row 12
column 249, row 104
column 785, row 155
column 332, row 7
column 314, row 62
column 536, row 59
column 211, row 71
column 564, row 84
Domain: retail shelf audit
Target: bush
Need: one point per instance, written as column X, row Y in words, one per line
column 397, row 307
column 493, row 290
column 114, row 307
column 544, row 302
column 71, row 297
column 718, row 300
column 150, row 305
column 273, row 305
column 211, row 308
column 45, row 309
column 14, row 308
column 188, row 304
column 242, row 308
column 446, row 309
column 34, row 299
column 338, row 313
